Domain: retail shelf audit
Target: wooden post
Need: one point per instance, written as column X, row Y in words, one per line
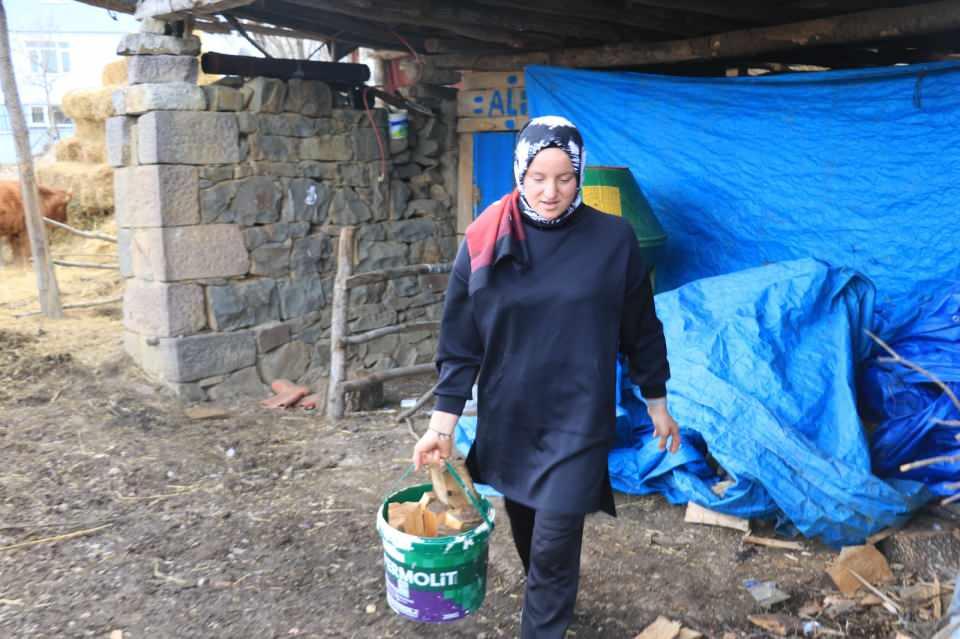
column 338, row 324
column 47, row 289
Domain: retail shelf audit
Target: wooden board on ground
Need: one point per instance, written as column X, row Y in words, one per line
column 661, row 628
column 697, row 514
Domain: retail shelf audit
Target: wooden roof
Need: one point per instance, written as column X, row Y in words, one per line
column 701, row 34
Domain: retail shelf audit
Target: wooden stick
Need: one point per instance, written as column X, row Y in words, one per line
column 105, row 267
column 338, row 324
column 112, row 300
column 372, row 277
column 773, row 543
column 943, row 459
column 863, row 26
column 90, row 234
column 895, row 356
column 423, row 399
column 78, row 533
column 887, row 601
column 383, row 376
column 950, row 499
column 409, row 327
column 946, row 422
column 47, row 290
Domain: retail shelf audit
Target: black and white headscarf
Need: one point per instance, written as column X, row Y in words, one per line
column 545, row 132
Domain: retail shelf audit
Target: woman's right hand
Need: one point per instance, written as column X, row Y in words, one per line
column 434, row 445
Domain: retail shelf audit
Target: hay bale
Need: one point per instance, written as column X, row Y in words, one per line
column 115, row 73
column 91, row 185
column 69, row 150
column 89, row 104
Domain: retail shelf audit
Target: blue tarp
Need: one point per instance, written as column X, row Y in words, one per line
column 907, row 404
column 857, row 168
column 764, row 363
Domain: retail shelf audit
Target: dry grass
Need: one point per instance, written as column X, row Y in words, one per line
column 89, row 335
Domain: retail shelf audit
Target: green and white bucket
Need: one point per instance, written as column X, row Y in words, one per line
column 435, row 579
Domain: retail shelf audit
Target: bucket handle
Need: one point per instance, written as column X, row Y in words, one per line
column 474, row 499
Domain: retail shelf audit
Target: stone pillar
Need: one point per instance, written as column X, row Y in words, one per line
column 160, row 138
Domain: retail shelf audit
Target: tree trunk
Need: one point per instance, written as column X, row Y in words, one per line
column 47, row 288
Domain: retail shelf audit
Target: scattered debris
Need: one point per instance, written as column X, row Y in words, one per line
column 661, row 628
column 833, row 606
column 783, row 625
column 866, row 560
column 697, row 514
column 772, row 543
column 206, row 412
column 765, row 593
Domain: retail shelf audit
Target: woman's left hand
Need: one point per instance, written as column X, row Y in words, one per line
column 664, row 426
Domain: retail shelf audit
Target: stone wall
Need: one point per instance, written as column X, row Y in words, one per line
column 229, row 199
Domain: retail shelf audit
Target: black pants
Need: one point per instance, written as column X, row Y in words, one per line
column 549, row 546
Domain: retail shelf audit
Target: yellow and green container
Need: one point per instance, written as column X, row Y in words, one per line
column 613, row 190
column 435, row 579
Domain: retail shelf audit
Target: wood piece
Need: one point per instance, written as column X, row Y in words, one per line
column 888, row 603
column 409, row 327
column 66, row 307
column 876, row 538
column 689, row 633
column 780, row 625
column 199, row 413
column 865, row 560
column 338, row 324
column 248, row 66
column 697, row 514
column 430, row 524
column 386, row 375
column 493, row 79
column 661, row 628
column 438, row 478
column 48, row 291
column 88, row 234
column 413, row 524
column 864, row 26
column 450, row 520
column 397, row 513
column 937, row 604
column 372, row 277
column 425, row 499
column 773, row 543
column 480, row 125
column 466, row 194
column 423, row 399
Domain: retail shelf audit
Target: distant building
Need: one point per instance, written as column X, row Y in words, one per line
column 57, row 46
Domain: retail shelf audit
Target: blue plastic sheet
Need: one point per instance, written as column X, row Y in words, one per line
column 907, row 404
column 852, row 167
column 764, row 363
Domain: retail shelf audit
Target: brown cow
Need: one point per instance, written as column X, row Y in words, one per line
column 53, row 204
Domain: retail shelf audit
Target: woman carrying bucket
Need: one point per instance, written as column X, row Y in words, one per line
column 545, row 291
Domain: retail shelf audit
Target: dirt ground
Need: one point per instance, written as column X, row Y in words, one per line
column 120, row 512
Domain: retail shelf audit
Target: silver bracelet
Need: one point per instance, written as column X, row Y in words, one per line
column 440, row 433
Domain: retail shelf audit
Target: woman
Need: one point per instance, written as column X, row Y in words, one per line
column 544, row 293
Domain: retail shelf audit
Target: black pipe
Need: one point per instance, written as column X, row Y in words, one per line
column 336, row 73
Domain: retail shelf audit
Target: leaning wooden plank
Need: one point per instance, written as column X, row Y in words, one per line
column 361, row 279
column 383, row 376
column 105, row 267
column 338, row 324
column 409, row 327
column 697, row 514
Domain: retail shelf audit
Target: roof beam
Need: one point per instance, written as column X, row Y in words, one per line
column 882, row 24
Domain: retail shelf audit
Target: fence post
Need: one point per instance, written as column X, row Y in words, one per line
column 338, row 323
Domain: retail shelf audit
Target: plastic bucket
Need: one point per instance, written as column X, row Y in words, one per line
column 434, row 579
column 398, row 125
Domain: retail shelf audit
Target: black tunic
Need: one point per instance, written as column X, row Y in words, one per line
column 544, row 339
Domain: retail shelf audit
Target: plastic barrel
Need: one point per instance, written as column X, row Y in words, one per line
column 613, row 190
column 434, row 579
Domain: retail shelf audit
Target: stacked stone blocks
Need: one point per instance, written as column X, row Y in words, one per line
column 229, row 200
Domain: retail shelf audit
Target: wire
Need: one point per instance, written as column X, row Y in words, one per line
column 376, row 131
